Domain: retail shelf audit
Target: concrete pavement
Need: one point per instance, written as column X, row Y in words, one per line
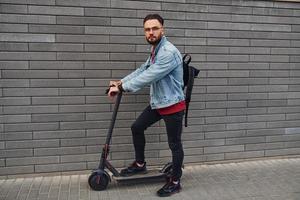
column 271, row 179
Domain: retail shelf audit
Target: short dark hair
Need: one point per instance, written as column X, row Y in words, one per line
column 154, row 16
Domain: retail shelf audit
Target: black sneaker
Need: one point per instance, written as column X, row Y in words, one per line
column 134, row 169
column 171, row 187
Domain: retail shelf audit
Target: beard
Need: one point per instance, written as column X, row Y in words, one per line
column 155, row 41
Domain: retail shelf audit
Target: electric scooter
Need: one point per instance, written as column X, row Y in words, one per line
column 99, row 178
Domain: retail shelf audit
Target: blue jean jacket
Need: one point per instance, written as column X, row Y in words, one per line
column 165, row 76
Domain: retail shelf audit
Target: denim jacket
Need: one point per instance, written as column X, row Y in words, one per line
column 165, row 76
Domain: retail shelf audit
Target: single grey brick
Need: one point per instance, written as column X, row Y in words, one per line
column 184, row 7
column 271, row 27
column 288, row 51
column 6, row 8
column 206, row 49
column 16, row 118
column 27, row 56
column 228, row 73
column 57, row 83
column 225, row 134
column 283, row 138
column 105, row 12
column 13, row 27
column 50, row 28
column 126, row 39
column 15, row 153
column 249, row 50
column 83, row 108
column 12, row 46
column 58, row 100
column 84, row 73
column 229, row 26
column 249, row 125
column 59, row 151
column 82, row 141
column 262, row 103
column 245, row 140
column 247, row 81
column 128, row 56
column 82, row 56
column 225, row 149
column 226, row 89
column 269, row 58
column 82, row 38
column 272, row 11
column 57, row 117
column 284, row 81
column 294, row 58
column 17, row 170
column 272, row 117
column 31, row 160
column 79, row 158
column 208, row 16
column 270, row 43
column 56, row 65
column 226, row 119
column 55, row 10
column 46, row 2
column 9, row 101
column 17, row 136
column 29, row 74
column 11, row 83
column 83, row 125
column 250, row 34
column 81, row 91
column 290, row 109
column 227, row 58
column 278, row 152
column 18, row 92
column 247, row 96
column 293, row 116
column 243, row 155
column 2, row 145
column 269, row 88
column 250, row 66
column 263, row 132
column 60, row 167
column 30, row 127
column 14, row 65
column 108, row 65
column 110, row 30
column 86, row 3
column 229, row 9
column 58, row 134
column 136, row 5
column 282, row 124
column 29, row 109
column 93, row 21
column 22, row 37
column 55, row 47
column 27, row 19
column 107, row 116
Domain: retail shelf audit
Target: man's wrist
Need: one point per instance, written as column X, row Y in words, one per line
column 120, row 87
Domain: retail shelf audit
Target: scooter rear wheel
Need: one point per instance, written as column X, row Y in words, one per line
column 98, row 181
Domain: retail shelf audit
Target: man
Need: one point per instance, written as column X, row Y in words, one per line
column 163, row 72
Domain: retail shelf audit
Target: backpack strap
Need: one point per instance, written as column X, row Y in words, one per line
column 193, row 72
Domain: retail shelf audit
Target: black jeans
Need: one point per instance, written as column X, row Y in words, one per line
column 174, row 129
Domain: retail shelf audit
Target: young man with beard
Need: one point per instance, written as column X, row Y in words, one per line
column 163, row 72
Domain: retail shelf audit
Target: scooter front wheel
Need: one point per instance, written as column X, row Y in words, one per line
column 98, row 181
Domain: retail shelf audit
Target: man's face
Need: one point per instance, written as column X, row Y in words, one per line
column 153, row 31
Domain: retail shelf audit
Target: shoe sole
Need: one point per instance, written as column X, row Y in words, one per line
column 170, row 194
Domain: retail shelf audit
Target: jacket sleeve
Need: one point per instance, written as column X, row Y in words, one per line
column 165, row 63
column 134, row 73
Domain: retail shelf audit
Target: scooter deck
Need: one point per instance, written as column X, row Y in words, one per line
column 151, row 173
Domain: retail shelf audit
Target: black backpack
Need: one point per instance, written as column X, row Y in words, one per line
column 189, row 74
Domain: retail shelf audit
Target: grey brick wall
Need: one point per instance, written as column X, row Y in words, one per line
column 57, row 56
